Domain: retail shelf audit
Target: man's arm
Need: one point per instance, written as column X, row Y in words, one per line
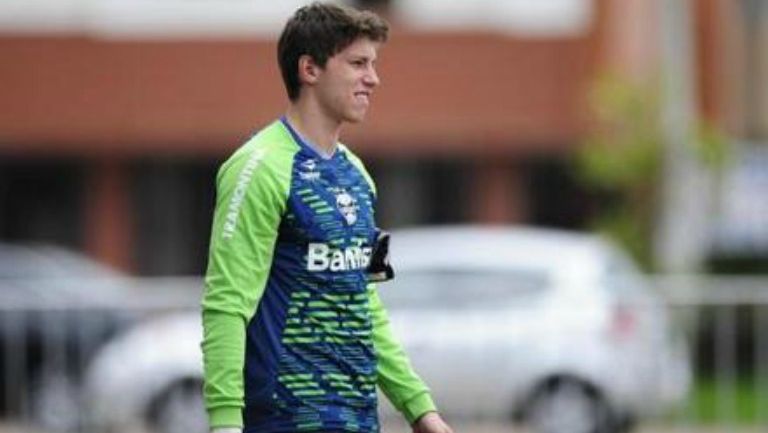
column 396, row 377
column 249, row 205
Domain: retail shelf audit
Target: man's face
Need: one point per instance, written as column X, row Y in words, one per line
column 344, row 87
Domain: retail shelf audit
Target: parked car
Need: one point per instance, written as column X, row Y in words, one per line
column 57, row 307
column 500, row 322
column 557, row 329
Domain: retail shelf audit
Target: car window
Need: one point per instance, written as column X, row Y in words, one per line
column 457, row 289
column 47, row 262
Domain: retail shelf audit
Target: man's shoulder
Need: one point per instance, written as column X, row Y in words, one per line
column 358, row 163
column 269, row 152
column 273, row 140
column 351, row 156
column 270, row 144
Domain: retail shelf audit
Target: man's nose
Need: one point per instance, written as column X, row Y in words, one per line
column 371, row 78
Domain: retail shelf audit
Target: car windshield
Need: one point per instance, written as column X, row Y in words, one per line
column 47, row 262
column 459, row 289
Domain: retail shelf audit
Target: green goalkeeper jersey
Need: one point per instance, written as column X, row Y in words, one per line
column 295, row 337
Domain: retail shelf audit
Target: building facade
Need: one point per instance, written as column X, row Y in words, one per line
column 110, row 138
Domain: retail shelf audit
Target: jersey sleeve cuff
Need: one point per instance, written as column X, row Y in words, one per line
column 418, row 406
column 225, row 417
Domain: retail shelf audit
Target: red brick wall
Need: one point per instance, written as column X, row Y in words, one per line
column 471, row 93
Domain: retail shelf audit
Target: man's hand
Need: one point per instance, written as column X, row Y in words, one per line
column 431, row 422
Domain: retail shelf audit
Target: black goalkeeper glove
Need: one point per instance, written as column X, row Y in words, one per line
column 379, row 269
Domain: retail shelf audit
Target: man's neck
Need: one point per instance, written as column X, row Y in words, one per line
column 315, row 127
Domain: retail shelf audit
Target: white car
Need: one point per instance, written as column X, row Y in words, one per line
column 57, row 307
column 500, row 322
column 557, row 329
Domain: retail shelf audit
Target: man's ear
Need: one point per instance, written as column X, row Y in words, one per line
column 309, row 71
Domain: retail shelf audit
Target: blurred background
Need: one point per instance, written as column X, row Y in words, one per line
column 643, row 122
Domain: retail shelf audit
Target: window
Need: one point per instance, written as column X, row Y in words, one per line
column 462, row 289
column 174, row 202
column 41, row 201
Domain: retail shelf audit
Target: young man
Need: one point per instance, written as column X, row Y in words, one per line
column 295, row 336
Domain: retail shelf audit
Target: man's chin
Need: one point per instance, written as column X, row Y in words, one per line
column 355, row 118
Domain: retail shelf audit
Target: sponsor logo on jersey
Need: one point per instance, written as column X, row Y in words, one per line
column 347, row 205
column 309, row 170
column 321, row 257
column 236, row 202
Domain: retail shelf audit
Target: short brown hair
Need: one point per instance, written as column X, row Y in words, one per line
column 321, row 30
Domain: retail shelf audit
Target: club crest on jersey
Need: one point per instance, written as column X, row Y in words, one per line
column 346, row 204
column 309, row 170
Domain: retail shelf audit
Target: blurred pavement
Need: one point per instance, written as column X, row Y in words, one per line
column 397, row 426
column 484, row 427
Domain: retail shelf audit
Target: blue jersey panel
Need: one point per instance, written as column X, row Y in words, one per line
column 311, row 365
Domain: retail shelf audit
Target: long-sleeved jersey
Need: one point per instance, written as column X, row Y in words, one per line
column 295, row 339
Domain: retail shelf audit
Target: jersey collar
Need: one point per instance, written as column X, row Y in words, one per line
column 306, row 144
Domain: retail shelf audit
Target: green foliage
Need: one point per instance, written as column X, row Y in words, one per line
column 623, row 157
column 624, row 147
column 711, row 147
column 620, row 224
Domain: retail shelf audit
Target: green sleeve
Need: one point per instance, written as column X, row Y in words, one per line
column 396, row 377
column 252, row 189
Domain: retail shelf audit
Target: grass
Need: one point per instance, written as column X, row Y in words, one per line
column 742, row 401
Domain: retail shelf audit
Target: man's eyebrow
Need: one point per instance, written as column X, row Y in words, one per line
column 362, row 57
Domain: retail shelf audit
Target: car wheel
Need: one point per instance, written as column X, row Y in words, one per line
column 179, row 409
column 568, row 406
